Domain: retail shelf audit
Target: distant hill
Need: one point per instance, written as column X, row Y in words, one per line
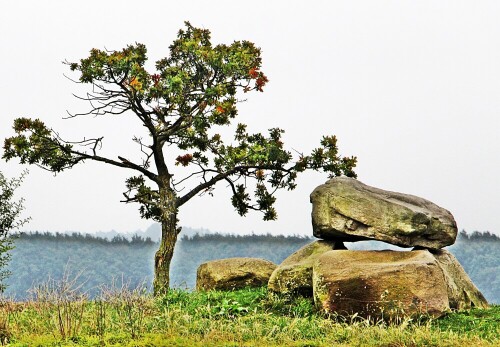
column 38, row 256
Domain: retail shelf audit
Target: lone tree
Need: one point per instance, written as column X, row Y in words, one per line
column 192, row 92
column 10, row 220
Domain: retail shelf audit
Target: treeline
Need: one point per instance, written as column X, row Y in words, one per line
column 135, row 239
column 98, row 260
column 478, row 236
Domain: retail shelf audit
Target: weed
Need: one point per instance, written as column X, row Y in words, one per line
column 295, row 306
column 61, row 298
column 229, row 308
column 129, row 303
column 6, row 309
column 100, row 316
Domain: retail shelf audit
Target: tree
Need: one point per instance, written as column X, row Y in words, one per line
column 10, row 211
column 192, row 93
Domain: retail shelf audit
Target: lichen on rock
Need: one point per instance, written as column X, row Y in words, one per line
column 294, row 275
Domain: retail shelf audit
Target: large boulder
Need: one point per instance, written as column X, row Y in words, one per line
column 233, row 273
column 379, row 284
column 462, row 293
column 346, row 209
column 294, row 274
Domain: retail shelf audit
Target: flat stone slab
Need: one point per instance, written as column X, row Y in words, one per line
column 345, row 209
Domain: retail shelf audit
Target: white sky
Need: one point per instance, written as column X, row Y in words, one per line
column 412, row 88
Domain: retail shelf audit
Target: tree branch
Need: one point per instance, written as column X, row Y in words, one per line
column 207, row 184
column 122, row 163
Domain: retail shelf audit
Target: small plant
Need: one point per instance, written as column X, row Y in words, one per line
column 100, row 314
column 129, row 303
column 229, row 308
column 6, row 311
column 288, row 304
column 63, row 299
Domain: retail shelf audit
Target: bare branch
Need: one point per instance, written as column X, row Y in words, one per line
column 96, row 143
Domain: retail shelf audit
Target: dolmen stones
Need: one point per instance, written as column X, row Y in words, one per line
column 377, row 284
column 373, row 284
column 233, row 273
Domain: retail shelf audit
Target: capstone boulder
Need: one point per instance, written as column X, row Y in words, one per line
column 347, row 210
column 233, row 273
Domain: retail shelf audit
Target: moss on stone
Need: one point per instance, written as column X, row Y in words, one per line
column 294, row 274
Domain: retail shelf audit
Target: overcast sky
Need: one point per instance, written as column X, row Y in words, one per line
column 412, row 88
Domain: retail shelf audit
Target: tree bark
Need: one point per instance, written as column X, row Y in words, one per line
column 169, row 231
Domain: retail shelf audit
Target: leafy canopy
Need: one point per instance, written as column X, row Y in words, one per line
column 191, row 93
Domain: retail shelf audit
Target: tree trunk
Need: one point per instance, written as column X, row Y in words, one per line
column 169, row 231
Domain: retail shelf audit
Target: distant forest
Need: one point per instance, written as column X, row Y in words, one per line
column 100, row 261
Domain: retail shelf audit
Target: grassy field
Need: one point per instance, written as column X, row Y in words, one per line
column 59, row 316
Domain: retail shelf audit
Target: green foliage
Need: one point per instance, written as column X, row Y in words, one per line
column 10, row 211
column 147, row 197
column 192, row 90
column 289, row 305
column 37, row 144
column 216, row 304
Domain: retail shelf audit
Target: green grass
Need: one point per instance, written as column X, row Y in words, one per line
column 249, row 317
column 476, row 322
